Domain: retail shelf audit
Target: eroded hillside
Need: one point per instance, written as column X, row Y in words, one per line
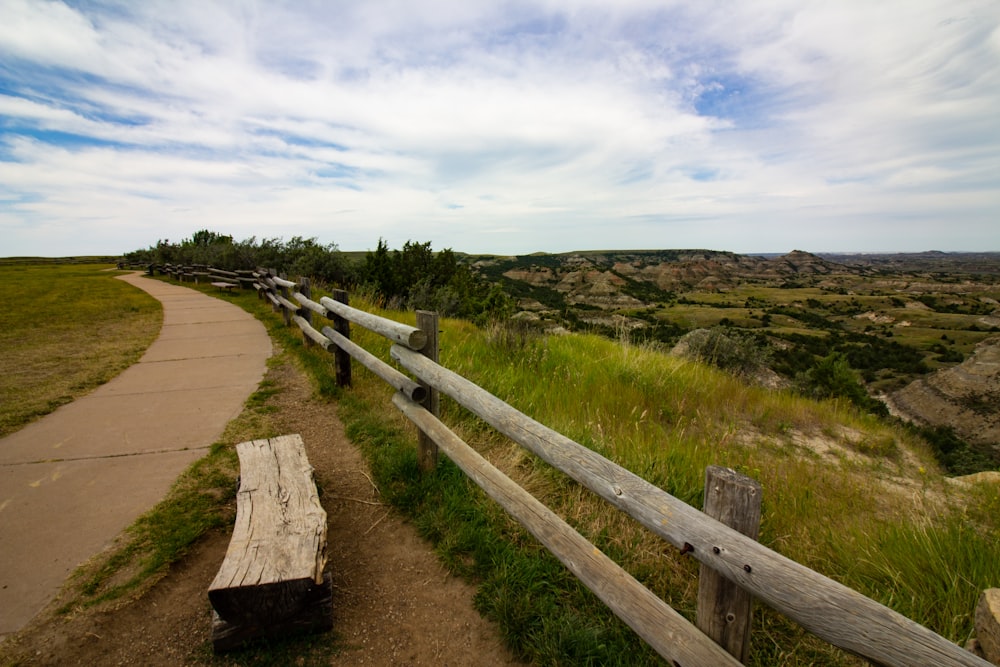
column 907, row 325
column 965, row 398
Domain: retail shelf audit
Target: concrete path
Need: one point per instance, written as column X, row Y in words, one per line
column 72, row 481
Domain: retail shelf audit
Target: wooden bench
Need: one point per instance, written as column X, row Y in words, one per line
column 224, row 286
column 272, row 581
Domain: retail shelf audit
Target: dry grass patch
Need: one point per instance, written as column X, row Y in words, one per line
column 68, row 329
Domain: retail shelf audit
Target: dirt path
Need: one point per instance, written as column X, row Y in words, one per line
column 394, row 604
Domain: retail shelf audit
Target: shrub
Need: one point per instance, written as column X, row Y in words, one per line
column 740, row 353
column 423, row 279
column 956, row 455
column 832, row 377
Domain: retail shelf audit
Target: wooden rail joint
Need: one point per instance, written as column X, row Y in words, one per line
column 272, row 581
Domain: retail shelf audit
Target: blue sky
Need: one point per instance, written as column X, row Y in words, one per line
column 502, row 127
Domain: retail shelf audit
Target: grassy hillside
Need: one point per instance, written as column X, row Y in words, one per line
column 893, row 325
column 845, row 494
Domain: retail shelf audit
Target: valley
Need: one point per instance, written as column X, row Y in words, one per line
column 919, row 331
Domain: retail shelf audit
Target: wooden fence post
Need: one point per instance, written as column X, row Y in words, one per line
column 724, row 609
column 343, row 327
column 427, row 449
column 272, row 287
column 283, row 291
column 305, row 290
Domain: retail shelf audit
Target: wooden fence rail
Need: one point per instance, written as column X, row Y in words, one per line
column 830, row 610
column 195, row 272
column 833, row 612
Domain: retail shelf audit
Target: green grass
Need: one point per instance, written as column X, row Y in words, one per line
column 666, row 420
column 64, row 330
column 698, row 316
column 866, row 506
column 197, row 503
column 906, row 566
column 542, row 612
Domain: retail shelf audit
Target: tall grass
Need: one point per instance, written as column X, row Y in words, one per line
column 844, row 494
column 837, row 484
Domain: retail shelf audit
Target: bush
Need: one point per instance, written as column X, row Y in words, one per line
column 956, row 455
column 423, row 279
column 740, row 353
column 298, row 257
column 833, row 377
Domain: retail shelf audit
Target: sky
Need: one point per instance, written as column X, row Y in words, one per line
column 501, row 127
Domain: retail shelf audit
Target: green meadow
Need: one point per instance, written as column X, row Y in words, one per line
column 65, row 329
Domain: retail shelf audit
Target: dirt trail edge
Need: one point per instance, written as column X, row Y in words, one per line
column 394, row 603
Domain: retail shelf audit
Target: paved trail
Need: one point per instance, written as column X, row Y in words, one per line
column 70, row 482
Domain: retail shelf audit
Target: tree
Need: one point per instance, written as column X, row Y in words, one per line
column 833, row 377
column 297, row 257
column 423, row 279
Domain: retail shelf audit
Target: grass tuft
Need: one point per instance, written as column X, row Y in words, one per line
column 202, row 499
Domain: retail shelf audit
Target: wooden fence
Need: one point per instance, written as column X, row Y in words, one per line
column 196, row 273
column 730, row 559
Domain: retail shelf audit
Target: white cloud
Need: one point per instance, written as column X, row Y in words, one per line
column 47, row 32
column 741, row 126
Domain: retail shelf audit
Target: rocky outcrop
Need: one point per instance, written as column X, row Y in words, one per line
column 802, row 262
column 533, row 276
column 596, row 288
column 988, row 624
column 600, row 279
column 965, row 397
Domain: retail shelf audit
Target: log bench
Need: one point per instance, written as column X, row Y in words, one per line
column 224, row 286
column 272, row 581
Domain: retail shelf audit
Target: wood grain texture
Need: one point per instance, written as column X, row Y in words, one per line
column 342, row 326
column 724, row 609
column 309, row 304
column 290, row 306
column 392, row 376
column 403, row 334
column 277, row 552
column 427, row 451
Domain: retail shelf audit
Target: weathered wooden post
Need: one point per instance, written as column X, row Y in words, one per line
column 343, row 327
column 305, row 290
column 724, row 609
column 283, row 290
column 427, row 449
column 260, row 278
column 272, row 288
